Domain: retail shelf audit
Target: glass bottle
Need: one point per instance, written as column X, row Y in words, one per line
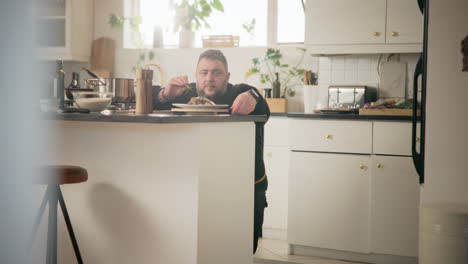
column 59, row 83
column 75, row 83
column 276, row 87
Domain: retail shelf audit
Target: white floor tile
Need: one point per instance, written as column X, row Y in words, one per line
column 277, row 252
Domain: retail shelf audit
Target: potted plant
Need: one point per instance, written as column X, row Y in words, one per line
column 280, row 77
column 190, row 16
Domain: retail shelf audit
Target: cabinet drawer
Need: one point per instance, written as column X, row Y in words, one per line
column 331, row 136
column 276, row 131
column 392, row 138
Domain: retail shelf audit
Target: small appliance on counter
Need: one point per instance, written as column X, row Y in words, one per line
column 354, row 96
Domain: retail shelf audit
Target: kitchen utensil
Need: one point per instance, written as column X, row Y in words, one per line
column 94, row 101
column 90, row 73
column 311, row 96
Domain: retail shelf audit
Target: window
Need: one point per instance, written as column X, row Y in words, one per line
column 157, row 16
column 290, row 22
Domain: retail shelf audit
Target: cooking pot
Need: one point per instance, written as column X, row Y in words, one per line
column 124, row 90
column 102, row 85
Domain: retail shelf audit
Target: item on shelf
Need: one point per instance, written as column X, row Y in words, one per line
column 212, row 41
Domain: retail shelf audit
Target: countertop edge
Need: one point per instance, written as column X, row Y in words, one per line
column 344, row 117
column 153, row 118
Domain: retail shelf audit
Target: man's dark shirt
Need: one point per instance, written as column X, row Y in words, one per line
column 228, row 98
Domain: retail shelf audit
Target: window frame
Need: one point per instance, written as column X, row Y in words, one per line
column 132, row 7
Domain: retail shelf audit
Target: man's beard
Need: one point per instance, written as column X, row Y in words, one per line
column 201, row 92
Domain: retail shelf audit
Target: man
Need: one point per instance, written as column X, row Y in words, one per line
column 213, row 83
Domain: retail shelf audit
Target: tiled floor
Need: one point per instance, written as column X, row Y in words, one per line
column 276, row 252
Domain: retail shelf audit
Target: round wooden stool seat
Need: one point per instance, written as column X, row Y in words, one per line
column 63, row 175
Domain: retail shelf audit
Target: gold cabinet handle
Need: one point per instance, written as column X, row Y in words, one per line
column 379, row 165
column 394, row 34
column 328, row 136
column 418, row 139
column 362, row 167
column 376, row 34
column 269, row 154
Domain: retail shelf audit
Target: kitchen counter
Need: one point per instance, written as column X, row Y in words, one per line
column 345, row 116
column 162, row 188
column 156, row 117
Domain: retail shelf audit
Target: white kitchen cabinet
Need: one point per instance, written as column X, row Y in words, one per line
column 277, row 131
column 65, row 30
column 363, row 26
column 276, row 157
column 392, row 138
column 394, row 206
column 345, row 21
column 404, row 22
column 329, row 201
column 331, row 136
column 277, row 169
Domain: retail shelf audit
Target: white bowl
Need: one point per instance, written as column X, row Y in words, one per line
column 93, row 101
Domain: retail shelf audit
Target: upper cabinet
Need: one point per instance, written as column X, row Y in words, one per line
column 64, row 29
column 363, row 26
column 345, row 21
column 404, row 22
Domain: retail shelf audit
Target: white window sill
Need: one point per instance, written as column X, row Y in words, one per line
column 279, row 45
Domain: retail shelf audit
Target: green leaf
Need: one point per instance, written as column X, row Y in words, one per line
column 217, row 5
column 254, row 70
column 116, row 21
column 255, row 61
column 284, row 65
column 151, row 55
column 136, row 20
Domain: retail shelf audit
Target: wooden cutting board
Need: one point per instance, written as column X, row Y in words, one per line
column 386, row 112
column 102, row 57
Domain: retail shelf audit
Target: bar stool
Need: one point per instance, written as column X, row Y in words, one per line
column 53, row 177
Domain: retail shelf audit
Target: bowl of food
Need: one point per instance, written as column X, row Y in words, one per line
column 93, row 101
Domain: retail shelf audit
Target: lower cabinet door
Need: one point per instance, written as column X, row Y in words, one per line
column 329, row 201
column 394, row 206
column 277, row 170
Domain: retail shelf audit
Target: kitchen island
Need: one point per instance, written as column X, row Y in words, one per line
column 162, row 188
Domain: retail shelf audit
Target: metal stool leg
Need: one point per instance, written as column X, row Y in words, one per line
column 52, row 233
column 39, row 218
column 69, row 226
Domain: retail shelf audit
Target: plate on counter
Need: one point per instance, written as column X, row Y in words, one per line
column 191, row 106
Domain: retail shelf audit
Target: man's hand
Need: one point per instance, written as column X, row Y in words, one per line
column 244, row 104
column 176, row 86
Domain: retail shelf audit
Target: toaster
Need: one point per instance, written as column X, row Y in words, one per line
column 350, row 95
